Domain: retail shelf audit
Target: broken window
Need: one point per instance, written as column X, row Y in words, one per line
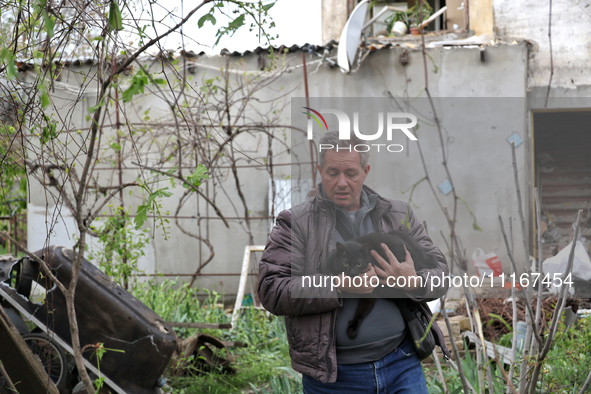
column 562, row 145
column 442, row 15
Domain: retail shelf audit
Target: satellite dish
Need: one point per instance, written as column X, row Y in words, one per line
column 349, row 42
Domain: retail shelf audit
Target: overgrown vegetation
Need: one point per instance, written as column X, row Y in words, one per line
column 263, row 366
column 45, row 139
column 121, row 247
column 454, row 384
column 564, row 371
column 567, row 364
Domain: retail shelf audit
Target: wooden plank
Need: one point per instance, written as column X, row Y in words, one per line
column 504, row 352
column 243, row 275
column 23, row 368
column 7, row 293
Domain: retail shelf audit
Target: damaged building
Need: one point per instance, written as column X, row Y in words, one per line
column 489, row 66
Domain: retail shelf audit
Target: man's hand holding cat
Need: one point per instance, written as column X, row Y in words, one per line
column 365, row 288
column 395, row 269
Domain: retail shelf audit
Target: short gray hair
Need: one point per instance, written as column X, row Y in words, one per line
column 332, row 138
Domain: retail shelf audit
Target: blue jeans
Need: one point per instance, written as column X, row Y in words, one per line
column 398, row 372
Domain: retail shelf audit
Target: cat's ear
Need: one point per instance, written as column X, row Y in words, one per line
column 365, row 248
column 341, row 248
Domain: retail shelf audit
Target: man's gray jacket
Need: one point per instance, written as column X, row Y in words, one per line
column 299, row 245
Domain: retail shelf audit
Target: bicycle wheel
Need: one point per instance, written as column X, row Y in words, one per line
column 51, row 355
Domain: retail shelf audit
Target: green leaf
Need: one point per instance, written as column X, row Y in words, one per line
column 44, row 99
column 140, row 216
column 196, row 177
column 128, row 94
column 499, row 318
column 49, row 24
column 268, row 6
column 44, row 136
column 160, row 193
column 8, row 58
column 115, row 20
column 236, row 23
column 48, row 132
column 231, row 29
column 205, row 18
column 138, row 82
column 92, row 110
column 99, row 382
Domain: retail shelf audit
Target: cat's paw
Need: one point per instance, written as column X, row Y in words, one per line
column 353, row 329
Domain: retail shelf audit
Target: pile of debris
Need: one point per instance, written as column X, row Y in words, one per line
column 491, row 309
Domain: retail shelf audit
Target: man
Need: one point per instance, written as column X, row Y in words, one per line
column 381, row 358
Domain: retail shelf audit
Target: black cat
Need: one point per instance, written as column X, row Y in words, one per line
column 354, row 256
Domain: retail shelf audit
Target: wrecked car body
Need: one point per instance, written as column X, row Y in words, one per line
column 106, row 313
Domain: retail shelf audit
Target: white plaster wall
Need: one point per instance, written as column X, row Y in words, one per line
column 571, row 29
column 46, row 227
column 334, row 16
column 485, row 181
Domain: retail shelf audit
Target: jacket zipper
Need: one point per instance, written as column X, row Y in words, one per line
column 334, row 339
column 333, row 321
column 333, row 327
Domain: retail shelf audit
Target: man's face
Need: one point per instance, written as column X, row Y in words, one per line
column 342, row 178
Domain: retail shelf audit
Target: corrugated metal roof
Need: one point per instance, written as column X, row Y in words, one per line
column 276, row 49
column 25, row 65
column 372, row 43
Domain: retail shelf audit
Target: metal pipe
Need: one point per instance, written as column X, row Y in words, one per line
column 196, row 217
column 199, row 274
column 433, row 17
column 214, row 167
column 308, row 105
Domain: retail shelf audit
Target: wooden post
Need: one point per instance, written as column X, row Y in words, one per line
column 15, row 234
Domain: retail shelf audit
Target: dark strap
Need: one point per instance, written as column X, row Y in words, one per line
column 343, row 230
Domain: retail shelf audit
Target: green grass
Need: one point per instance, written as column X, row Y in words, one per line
column 564, row 371
column 262, row 367
column 567, row 364
column 4, row 250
